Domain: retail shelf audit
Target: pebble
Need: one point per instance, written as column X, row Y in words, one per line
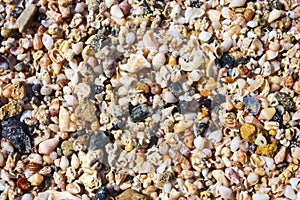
column 64, row 163
column 10, row 109
column 158, row 60
column 17, row 133
column 295, row 152
column 248, row 132
column 280, row 156
column 36, row 179
column 67, row 148
column 289, row 192
column 131, row 194
column 26, row 17
column 140, row 113
column 225, row 192
column 27, row 196
column 19, row 91
column 267, row 113
column 285, row 100
column 98, row 141
column 258, row 196
column 251, row 104
column 102, row 194
column 252, row 178
column 47, row 146
column 168, row 97
column 274, row 14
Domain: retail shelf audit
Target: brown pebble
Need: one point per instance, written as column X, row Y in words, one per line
column 131, row 194
column 19, row 91
column 25, row 19
column 155, row 88
column 248, row 14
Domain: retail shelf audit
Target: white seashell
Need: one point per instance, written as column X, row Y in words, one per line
column 280, row 156
column 109, row 3
column 252, row 178
column 75, row 162
column 215, row 136
column 116, row 11
column 47, row 146
column 130, row 38
column 73, row 188
column 150, row 41
column 274, row 14
column 158, row 60
column 193, row 13
column 168, row 97
column 205, row 36
column 227, row 13
column 175, row 11
column 27, row 196
column 289, row 192
column 296, row 115
column 261, row 140
column 77, row 47
column 135, row 63
column 226, row 44
column 200, row 142
column 25, row 115
column 194, row 76
column 64, row 163
column 295, row 152
column 295, row 183
column 271, row 54
column 225, row 192
column 167, row 187
column 71, row 100
column 252, row 24
column 258, row 196
column 236, row 3
column 235, row 144
column 47, row 41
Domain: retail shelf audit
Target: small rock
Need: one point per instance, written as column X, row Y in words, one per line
column 225, row 192
column 289, row 192
column 258, row 82
column 25, row 19
column 251, row 104
column 17, row 133
column 36, row 179
column 102, row 194
column 211, row 84
column 176, row 88
column 86, row 110
column 143, row 87
column 135, row 63
column 16, row 12
column 168, row 97
column 226, row 61
column 280, row 156
column 47, row 146
column 267, row 113
column 140, row 113
column 285, row 100
column 274, row 14
column 248, row 132
column 131, row 194
column 295, row 152
column 19, row 91
column 67, row 148
column 10, row 109
column 258, row 196
column 269, row 150
column 98, row 140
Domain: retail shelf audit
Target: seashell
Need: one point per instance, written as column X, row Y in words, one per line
column 64, row 163
column 193, row 13
column 158, row 60
column 185, row 164
column 270, row 55
column 289, row 192
column 267, row 113
column 130, row 38
column 135, row 63
column 232, row 175
column 150, row 41
column 296, row 87
column 225, row 192
column 37, row 42
column 22, row 184
column 36, row 179
column 261, row 140
column 175, row 11
column 188, row 138
column 200, row 142
column 116, row 11
column 258, row 196
column 236, row 3
column 47, row 146
column 182, row 125
column 280, row 156
column 227, row 13
column 27, row 196
column 205, row 36
column 295, row 183
column 259, row 80
column 168, row 97
column 73, row 188
column 274, row 46
column 252, row 178
column 274, row 14
column 125, row 7
column 75, row 162
column 47, row 41
column 211, row 84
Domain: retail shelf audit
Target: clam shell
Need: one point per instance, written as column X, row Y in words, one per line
column 270, row 55
column 274, row 14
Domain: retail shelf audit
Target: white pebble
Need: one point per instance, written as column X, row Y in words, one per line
column 47, row 146
column 47, row 41
column 169, row 97
column 252, row 178
column 258, row 196
column 205, row 36
column 158, row 60
column 199, row 142
column 64, row 163
column 130, row 38
column 27, row 197
column 75, row 162
column 116, row 11
column 237, row 3
column 167, row 187
column 235, row 144
column 289, row 192
column 225, row 192
column 261, row 140
column 35, row 158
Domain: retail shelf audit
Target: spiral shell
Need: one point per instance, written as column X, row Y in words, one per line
column 188, row 138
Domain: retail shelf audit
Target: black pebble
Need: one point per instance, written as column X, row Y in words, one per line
column 252, row 148
column 36, row 88
column 196, row 3
column 277, row 117
column 285, row 100
column 206, row 103
column 140, row 113
column 176, row 89
column 227, row 61
column 99, row 89
column 17, row 133
column 98, row 140
column 39, row 16
column 16, row 12
column 201, row 129
column 102, row 194
column 147, row 8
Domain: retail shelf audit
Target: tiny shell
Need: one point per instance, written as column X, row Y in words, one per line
column 280, row 156
column 258, row 196
column 295, row 152
column 225, row 192
column 22, row 184
column 205, row 36
column 274, row 14
column 47, row 146
column 188, row 138
column 168, row 97
column 135, row 63
column 236, row 3
column 116, row 11
column 271, row 54
column 158, row 60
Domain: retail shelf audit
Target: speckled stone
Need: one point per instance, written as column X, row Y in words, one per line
column 248, row 132
column 131, row 195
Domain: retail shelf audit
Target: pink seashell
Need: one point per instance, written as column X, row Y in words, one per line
column 280, row 156
column 253, row 120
